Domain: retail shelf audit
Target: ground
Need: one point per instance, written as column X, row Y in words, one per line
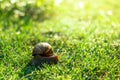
column 84, row 33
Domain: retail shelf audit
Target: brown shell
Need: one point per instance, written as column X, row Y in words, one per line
column 43, row 49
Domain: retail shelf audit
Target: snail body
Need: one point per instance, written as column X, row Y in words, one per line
column 43, row 53
column 38, row 60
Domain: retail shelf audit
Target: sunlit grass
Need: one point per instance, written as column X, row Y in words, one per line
column 86, row 33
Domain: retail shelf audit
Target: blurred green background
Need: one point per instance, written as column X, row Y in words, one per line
column 22, row 11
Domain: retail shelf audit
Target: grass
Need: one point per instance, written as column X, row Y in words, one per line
column 86, row 33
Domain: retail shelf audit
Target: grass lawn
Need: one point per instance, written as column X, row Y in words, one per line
column 86, row 33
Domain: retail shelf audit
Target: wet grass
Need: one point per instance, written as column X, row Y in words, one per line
column 86, row 33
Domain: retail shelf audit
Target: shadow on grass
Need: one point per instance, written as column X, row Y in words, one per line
column 28, row 70
column 1, row 56
column 52, row 33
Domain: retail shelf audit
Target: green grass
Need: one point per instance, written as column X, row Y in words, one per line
column 87, row 36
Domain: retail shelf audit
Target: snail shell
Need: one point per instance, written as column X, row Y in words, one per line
column 43, row 49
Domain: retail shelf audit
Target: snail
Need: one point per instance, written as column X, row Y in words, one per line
column 43, row 53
